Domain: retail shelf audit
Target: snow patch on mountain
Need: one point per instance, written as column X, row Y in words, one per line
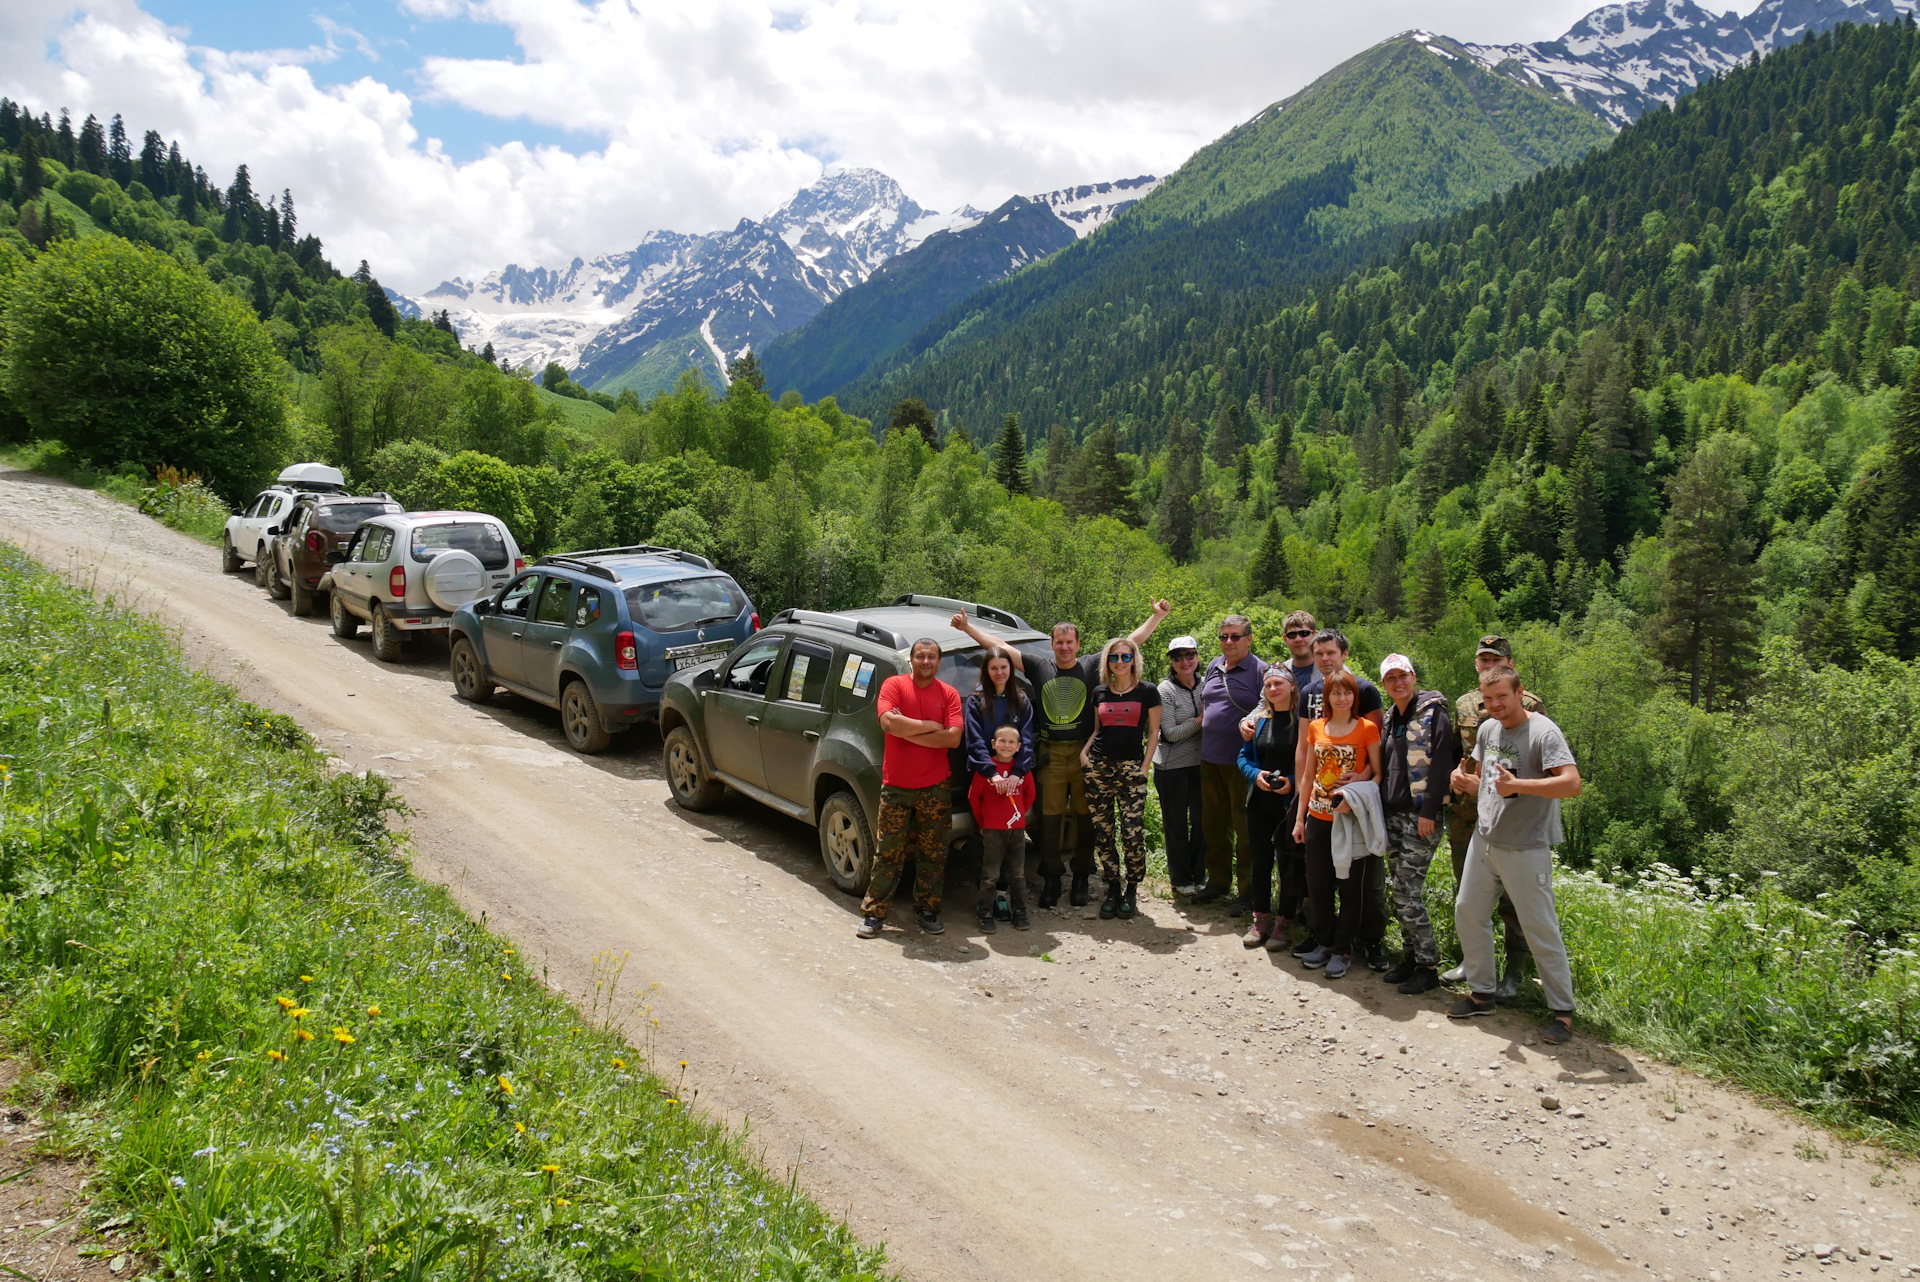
column 1091, row 206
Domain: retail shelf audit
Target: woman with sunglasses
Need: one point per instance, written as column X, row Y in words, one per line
column 1127, row 730
column 1176, row 768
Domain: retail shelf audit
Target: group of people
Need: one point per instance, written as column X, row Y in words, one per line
column 1291, row 790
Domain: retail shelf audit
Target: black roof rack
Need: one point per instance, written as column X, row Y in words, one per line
column 839, row 623
column 579, row 560
column 995, row 613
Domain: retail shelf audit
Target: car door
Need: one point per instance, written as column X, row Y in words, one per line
column 247, row 530
column 545, row 635
column 795, row 719
column 735, row 708
column 269, row 517
column 366, row 573
column 504, row 627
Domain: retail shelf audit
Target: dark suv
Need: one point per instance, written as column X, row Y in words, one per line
column 596, row 634
column 296, row 556
column 788, row 718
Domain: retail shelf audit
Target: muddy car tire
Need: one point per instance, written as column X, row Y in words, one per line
column 263, row 571
column 469, row 674
column 687, row 778
column 346, row 624
column 303, row 597
column 846, row 842
column 278, row 588
column 386, row 637
column 580, row 718
column 230, row 562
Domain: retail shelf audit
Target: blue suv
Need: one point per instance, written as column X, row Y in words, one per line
column 596, row 635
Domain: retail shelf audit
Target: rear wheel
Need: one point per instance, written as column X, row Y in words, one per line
column 229, row 559
column 345, row 622
column 846, row 842
column 277, row 587
column 386, row 637
column 262, row 570
column 692, row 787
column 302, row 596
column 580, row 717
column 469, row 674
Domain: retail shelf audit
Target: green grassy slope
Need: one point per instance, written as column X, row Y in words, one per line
column 1429, row 131
column 659, row 366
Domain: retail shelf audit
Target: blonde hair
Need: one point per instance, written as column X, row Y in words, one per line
column 1133, row 664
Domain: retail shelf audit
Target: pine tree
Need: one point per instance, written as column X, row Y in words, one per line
column 379, row 306
column 287, row 225
column 1430, row 588
column 153, row 162
column 1010, row 457
column 913, row 413
column 486, row 353
column 1243, row 474
column 92, row 146
column 1708, row 624
column 1096, row 481
column 1489, row 560
column 1386, row 593
column 1174, row 519
column 745, row 368
column 32, row 177
column 1225, row 441
column 119, row 152
column 1267, row 572
column 1053, row 471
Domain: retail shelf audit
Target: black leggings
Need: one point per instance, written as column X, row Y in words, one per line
column 1270, row 826
column 1362, row 915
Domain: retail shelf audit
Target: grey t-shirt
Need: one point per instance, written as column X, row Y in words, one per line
column 1530, row 752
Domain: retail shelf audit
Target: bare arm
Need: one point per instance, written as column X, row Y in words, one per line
column 961, row 623
column 928, row 734
column 1153, row 737
column 1139, row 635
column 1561, row 781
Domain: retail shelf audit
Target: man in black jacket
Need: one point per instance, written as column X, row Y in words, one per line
column 1420, row 757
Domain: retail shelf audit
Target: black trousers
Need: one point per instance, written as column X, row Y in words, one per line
column 1179, row 789
column 1270, row 828
column 1362, row 914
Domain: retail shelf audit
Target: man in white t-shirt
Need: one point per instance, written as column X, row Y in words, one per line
column 1525, row 768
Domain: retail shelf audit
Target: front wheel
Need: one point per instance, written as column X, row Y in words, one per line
column 229, row 559
column 262, row 570
column 302, row 596
column 469, row 675
column 687, row 778
column 386, row 637
column 846, row 842
column 580, row 717
column 345, row 623
column 277, row 587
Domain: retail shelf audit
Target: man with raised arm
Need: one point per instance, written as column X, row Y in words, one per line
column 1063, row 688
column 921, row 716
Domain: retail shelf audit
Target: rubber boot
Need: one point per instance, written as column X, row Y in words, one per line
column 1508, row 989
column 1049, row 860
column 1110, row 907
column 1128, row 907
column 1259, row 932
column 1082, row 892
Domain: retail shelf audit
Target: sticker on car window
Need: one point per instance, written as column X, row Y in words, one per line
column 797, row 678
column 851, row 671
column 860, row 682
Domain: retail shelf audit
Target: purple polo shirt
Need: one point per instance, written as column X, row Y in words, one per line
column 1228, row 695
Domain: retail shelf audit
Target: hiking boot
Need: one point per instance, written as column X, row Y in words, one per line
column 1049, row 889
column 1259, row 932
column 1455, row 974
column 1423, row 980
column 987, row 924
column 1305, row 946
column 1404, row 971
column 1319, row 957
column 930, row 923
column 1127, row 906
column 1110, row 908
column 1020, row 921
column 869, row 927
column 1470, row 1005
column 1240, row 907
column 1208, row 893
column 1281, row 937
column 1508, row 989
column 1377, row 958
column 1559, row 1029
column 1081, row 895
column 1338, row 964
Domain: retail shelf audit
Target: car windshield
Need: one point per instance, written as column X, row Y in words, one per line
column 685, row 603
column 481, row 538
column 342, row 518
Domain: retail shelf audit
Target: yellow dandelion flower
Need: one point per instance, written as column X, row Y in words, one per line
column 204, row 1055
column 306, row 979
column 505, row 975
column 286, row 1003
column 619, row 1063
column 342, row 1036
column 520, row 1128
column 303, row 1034
column 550, row 1170
column 683, row 1063
column 561, row 1201
column 276, row 1056
column 505, row 1085
column 374, row 1011
column 298, row 1012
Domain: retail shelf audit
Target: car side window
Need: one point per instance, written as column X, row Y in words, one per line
column 586, row 607
column 377, row 544
column 750, row 673
column 353, row 544
column 514, row 603
column 259, row 505
column 554, row 602
column 804, row 679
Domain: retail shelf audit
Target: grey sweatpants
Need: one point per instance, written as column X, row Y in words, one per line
column 1527, row 877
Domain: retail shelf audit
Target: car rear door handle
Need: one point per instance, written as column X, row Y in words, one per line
column 556, row 644
column 753, row 721
column 811, row 734
column 517, row 636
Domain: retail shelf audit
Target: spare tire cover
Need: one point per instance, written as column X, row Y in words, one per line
column 454, row 578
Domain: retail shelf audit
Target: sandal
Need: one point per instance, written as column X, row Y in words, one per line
column 1559, row 1031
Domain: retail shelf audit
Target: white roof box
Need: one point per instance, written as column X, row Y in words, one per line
column 313, row 475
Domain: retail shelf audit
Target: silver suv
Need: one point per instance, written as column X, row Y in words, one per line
column 409, row 571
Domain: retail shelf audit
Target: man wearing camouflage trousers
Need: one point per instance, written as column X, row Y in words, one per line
column 1420, row 756
column 1468, row 712
column 922, row 719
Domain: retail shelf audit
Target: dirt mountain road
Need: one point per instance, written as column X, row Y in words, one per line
column 1089, row 1100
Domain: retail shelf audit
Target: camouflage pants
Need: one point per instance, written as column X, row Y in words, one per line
column 1409, row 855
column 916, row 821
column 1111, row 785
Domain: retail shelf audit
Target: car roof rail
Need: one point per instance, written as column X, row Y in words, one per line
column 992, row 612
column 585, row 567
column 643, row 549
column 840, row 623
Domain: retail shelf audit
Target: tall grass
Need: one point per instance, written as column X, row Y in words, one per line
column 289, row 1058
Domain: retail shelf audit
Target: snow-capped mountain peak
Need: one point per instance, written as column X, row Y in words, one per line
column 1091, row 206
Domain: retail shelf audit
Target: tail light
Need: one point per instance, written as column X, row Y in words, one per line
column 397, row 581
column 626, row 655
column 756, row 620
column 519, row 564
column 316, row 542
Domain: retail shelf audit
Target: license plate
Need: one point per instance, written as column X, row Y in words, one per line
column 688, row 656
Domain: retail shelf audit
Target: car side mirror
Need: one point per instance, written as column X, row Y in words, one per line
column 336, row 556
column 483, row 606
column 275, row 529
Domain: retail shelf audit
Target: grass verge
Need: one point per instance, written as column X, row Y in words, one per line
column 287, row 1057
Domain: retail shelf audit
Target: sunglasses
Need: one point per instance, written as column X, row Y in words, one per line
column 1301, row 632
column 1121, row 658
column 1233, row 636
column 1178, row 655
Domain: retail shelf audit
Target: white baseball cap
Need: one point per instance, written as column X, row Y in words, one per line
column 1182, row 643
column 1395, row 663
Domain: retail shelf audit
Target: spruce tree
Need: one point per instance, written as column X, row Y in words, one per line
column 1243, row 474
column 288, row 228
column 33, row 178
column 1708, row 625
column 913, row 413
column 91, row 148
column 1225, row 441
column 1096, row 481
column 745, row 368
column 486, row 353
column 380, row 307
column 1430, row 588
column 1175, row 522
column 1385, row 592
column 1267, row 572
column 119, row 152
column 1010, row 457
column 1053, row 471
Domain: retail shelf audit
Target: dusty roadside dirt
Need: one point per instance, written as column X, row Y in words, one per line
column 1086, row 1100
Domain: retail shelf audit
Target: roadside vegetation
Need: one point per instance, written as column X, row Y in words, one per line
column 289, row 1058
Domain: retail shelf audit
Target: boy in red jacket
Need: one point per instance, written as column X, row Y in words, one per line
column 1002, row 819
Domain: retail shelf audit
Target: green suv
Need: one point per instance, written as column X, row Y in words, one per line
column 787, row 718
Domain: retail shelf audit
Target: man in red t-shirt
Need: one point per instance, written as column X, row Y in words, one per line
column 921, row 715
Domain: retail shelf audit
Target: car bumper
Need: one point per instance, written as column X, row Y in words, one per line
column 419, row 620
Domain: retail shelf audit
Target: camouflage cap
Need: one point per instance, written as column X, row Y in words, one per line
column 1495, row 645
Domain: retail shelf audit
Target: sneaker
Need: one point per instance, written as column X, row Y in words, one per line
column 1110, row 908
column 1403, row 972
column 1020, row 921
column 931, row 924
column 1127, row 905
column 1470, row 1005
column 1000, row 908
column 1282, row 937
column 1081, row 895
column 1190, row 889
column 1304, row 947
column 1455, row 975
column 1259, row 932
column 1338, row 964
column 869, row 927
column 1423, row 980
column 1050, row 890
column 1319, row 957
column 1377, row 958
column 987, row 924
column 1559, row 1029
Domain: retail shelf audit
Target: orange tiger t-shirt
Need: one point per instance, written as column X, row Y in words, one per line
column 1334, row 756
